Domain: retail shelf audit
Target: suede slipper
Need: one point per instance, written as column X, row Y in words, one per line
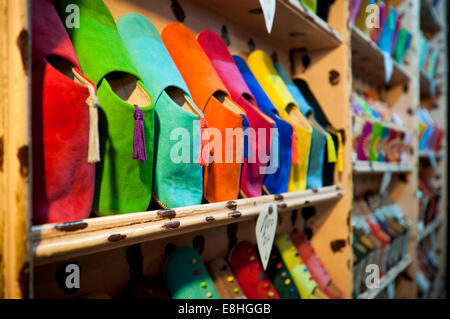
column 264, row 71
column 255, row 166
column 64, row 124
column 186, row 276
column 319, row 137
column 329, row 165
column 278, row 182
column 222, row 176
column 178, row 181
column 126, row 120
column 281, row 277
column 248, row 271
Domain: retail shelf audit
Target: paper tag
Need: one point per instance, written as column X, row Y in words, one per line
column 388, row 67
column 268, row 8
column 387, row 176
column 266, row 227
column 432, row 158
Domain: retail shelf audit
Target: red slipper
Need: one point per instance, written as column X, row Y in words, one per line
column 63, row 178
column 245, row 263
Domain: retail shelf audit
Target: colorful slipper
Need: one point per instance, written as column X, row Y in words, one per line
column 186, row 276
column 319, row 136
column 222, row 176
column 264, row 71
column 315, row 266
column 377, row 131
column 303, row 280
column 249, row 273
column 124, row 176
column 178, row 178
column 334, row 157
column 278, row 182
column 65, row 131
column 281, row 277
column 255, row 167
column 224, row 280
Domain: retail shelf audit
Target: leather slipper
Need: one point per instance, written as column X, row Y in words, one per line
column 186, row 276
column 255, row 166
column 126, row 121
column 278, row 182
column 177, row 181
column 64, row 124
column 248, row 271
column 264, row 71
column 222, row 176
column 331, row 152
column 319, row 137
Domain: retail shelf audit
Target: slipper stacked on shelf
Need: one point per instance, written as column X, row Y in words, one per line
column 65, row 123
column 378, row 134
column 427, row 269
column 386, row 30
column 428, row 57
column 428, row 203
column 381, row 237
column 430, row 134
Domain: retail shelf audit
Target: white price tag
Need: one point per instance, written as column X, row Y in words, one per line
column 266, row 227
column 387, row 176
column 388, row 67
column 268, row 8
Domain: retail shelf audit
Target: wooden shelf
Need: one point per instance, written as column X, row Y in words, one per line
column 387, row 279
column 53, row 242
column 426, row 84
column 429, row 20
column 368, row 62
column 435, row 224
column 428, row 154
column 293, row 26
column 365, row 167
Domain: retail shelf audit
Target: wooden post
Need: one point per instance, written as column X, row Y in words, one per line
column 15, row 261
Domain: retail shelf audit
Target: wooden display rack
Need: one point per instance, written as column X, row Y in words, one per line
column 32, row 255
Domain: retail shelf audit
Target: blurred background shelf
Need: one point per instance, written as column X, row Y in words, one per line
column 368, row 62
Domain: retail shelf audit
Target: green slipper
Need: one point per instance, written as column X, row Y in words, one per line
column 178, row 179
column 126, row 117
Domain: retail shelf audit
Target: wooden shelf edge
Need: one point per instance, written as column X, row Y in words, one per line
column 290, row 17
column 387, row 279
column 54, row 242
column 435, row 224
column 367, row 167
column 312, row 19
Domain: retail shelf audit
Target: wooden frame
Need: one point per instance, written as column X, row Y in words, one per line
column 15, row 261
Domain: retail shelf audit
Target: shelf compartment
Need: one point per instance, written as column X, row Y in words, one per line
column 387, row 279
column 366, row 167
column 368, row 62
column 429, row 20
column 54, row 242
column 435, row 224
column 426, row 85
column 293, row 26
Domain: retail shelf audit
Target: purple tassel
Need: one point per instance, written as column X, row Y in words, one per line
column 139, row 151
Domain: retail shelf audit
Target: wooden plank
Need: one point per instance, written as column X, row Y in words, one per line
column 15, row 56
column 381, row 167
column 59, row 241
column 293, row 27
